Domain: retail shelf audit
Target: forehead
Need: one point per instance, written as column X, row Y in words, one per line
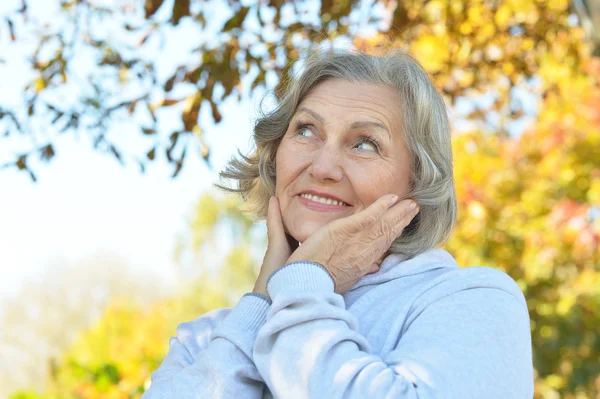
column 379, row 101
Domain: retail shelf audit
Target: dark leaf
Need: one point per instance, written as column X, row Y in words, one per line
column 32, row 175
column 177, row 169
column 73, row 123
column 296, row 26
column 58, row 115
column 11, row 29
column 99, row 139
column 47, row 153
column 22, row 162
column 144, row 38
column 151, row 111
column 173, row 138
column 179, row 164
column 151, row 154
column 116, row 153
column 152, row 6
column 181, row 8
column 215, row 111
column 276, row 3
column 170, row 82
column 190, row 114
column 52, row 107
column 131, row 108
column 237, row 20
column 194, row 75
column 169, row 101
column 200, row 19
column 326, row 6
column 148, row 130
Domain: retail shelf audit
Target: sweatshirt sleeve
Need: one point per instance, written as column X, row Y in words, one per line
column 211, row 356
column 470, row 343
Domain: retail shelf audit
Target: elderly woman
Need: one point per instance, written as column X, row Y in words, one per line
column 355, row 163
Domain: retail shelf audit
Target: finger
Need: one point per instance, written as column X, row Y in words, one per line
column 374, row 268
column 393, row 222
column 369, row 216
column 275, row 230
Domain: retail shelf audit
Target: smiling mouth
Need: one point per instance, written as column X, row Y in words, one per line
column 321, row 203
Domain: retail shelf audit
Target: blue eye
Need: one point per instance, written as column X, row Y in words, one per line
column 369, row 143
column 302, row 127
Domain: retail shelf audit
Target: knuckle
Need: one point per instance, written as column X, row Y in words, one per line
column 386, row 229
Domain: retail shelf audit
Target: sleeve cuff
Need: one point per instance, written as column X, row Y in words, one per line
column 243, row 322
column 300, row 276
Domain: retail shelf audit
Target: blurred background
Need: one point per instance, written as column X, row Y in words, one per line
column 117, row 115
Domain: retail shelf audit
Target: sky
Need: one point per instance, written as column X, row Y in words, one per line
column 85, row 203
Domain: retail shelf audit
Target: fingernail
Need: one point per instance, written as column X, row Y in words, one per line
column 412, row 206
column 393, row 200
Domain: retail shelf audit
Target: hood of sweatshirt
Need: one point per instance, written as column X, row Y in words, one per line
column 396, row 266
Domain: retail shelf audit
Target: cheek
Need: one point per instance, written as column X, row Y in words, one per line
column 282, row 169
column 371, row 183
column 288, row 167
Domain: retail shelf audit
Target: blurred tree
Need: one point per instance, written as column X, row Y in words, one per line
column 589, row 14
column 96, row 65
column 531, row 207
column 115, row 357
column 47, row 315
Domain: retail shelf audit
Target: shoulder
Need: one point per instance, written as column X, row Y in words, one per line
column 484, row 277
column 481, row 282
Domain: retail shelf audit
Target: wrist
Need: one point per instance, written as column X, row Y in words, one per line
column 261, row 288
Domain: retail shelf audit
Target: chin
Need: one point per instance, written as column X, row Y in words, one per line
column 303, row 231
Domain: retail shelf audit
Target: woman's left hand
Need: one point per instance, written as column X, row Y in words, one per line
column 350, row 247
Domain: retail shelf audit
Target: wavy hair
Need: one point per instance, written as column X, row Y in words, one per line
column 426, row 133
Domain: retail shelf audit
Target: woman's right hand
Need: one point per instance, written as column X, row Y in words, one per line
column 280, row 247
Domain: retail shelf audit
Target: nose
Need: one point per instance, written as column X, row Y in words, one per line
column 325, row 166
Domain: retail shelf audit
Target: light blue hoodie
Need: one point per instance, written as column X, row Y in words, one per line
column 418, row 328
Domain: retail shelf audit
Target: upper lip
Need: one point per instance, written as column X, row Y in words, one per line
column 323, row 194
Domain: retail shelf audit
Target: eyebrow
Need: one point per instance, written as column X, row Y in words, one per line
column 355, row 125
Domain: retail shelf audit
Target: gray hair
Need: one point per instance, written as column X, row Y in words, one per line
column 426, row 133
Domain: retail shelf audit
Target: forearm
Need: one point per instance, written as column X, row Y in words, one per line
column 223, row 366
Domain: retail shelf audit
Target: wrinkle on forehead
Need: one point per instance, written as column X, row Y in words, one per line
column 362, row 102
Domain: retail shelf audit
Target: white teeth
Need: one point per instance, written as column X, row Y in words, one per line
column 323, row 200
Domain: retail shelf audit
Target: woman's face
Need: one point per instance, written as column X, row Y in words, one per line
column 348, row 148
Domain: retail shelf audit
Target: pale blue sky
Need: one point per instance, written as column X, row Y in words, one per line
column 85, row 202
